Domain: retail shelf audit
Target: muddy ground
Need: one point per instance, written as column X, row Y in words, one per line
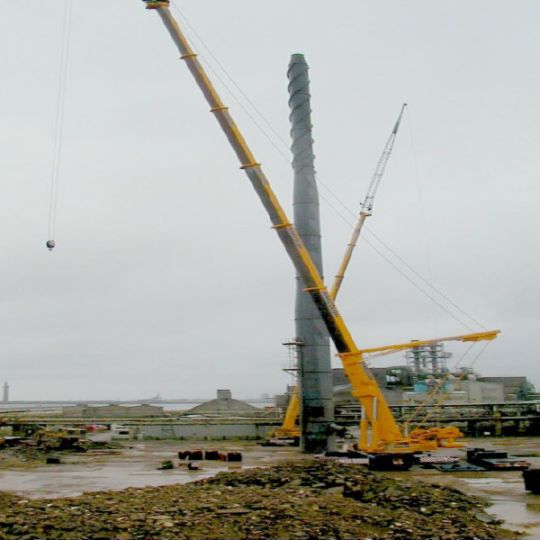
column 307, row 499
column 136, row 466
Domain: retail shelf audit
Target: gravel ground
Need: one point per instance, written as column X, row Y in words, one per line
column 302, row 500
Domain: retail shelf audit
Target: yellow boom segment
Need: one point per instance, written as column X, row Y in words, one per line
column 488, row 335
column 385, row 434
column 378, row 420
column 288, row 429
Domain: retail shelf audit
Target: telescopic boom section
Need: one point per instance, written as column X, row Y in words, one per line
column 488, row 335
column 385, row 434
column 369, row 201
column 367, row 206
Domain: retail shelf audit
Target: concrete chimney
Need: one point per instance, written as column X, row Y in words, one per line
column 6, row 393
column 314, row 370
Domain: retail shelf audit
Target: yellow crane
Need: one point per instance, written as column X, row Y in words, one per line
column 386, row 437
column 432, row 438
column 288, row 433
column 289, row 430
column 435, row 437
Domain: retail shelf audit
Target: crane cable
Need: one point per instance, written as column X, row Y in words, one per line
column 431, row 397
column 274, row 135
column 442, row 398
column 59, row 122
column 422, row 212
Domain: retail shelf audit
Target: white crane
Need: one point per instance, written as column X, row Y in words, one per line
column 367, row 205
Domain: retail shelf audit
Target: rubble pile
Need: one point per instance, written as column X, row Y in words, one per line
column 304, row 500
column 27, row 455
column 20, row 457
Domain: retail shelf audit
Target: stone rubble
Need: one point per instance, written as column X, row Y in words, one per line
column 311, row 499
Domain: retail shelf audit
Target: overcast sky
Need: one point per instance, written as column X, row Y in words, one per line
column 167, row 277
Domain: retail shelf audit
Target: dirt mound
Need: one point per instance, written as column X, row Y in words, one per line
column 305, row 500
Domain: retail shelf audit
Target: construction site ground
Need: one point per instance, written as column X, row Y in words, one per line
column 136, row 466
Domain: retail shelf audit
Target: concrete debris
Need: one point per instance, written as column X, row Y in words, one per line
column 46, row 447
column 301, row 500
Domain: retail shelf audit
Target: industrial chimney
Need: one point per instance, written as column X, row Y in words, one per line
column 6, row 393
column 314, row 369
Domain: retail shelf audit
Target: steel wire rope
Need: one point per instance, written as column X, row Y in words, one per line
column 428, row 282
column 410, row 268
column 422, row 209
column 59, row 119
column 196, row 36
column 423, row 279
column 439, row 402
column 285, row 155
column 434, row 391
column 276, row 133
column 405, row 276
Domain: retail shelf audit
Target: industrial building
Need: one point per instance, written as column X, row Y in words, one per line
column 400, row 386
column 224, row 405
column 514, row 388
column 112, row 411
column 458, row 391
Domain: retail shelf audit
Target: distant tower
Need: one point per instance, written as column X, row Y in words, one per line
column 6, row 392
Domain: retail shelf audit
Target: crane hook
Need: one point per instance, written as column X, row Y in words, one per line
column 51, row 244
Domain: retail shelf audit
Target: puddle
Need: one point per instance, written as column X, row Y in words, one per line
column 70, row 481
column 505, row 490
column 136, row 466
column 485, row 481
column 518, row 516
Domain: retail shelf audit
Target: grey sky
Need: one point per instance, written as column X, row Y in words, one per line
column 167, row 277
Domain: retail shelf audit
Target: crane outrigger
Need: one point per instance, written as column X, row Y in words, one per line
column 386, row 440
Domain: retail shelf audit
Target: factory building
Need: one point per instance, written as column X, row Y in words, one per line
column 515, row 388
column 457, row 391
column 224, row 405
column 112, row 411
column 426, row 377
column 401, row 384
